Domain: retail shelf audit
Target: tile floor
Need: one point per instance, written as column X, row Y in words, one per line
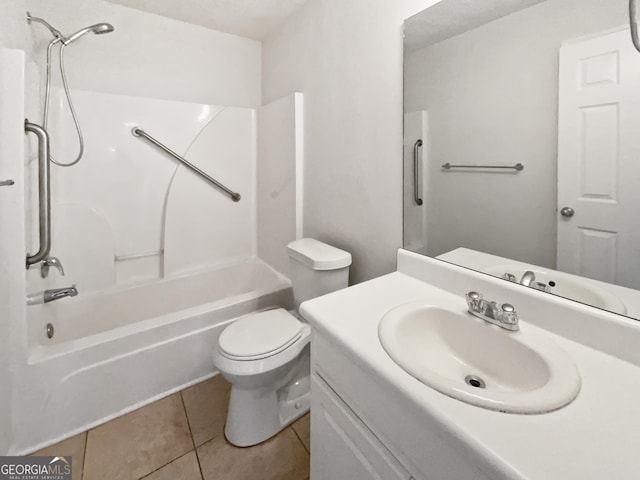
column 181, row 437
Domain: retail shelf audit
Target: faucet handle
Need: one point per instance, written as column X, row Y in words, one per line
column 509, row 315
column 474, row 301
column 543, row 287
column 510, row 277
column 50, row 262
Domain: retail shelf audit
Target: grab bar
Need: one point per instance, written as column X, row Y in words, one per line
column 416, row 172
column 44, row 193
column 518, row 166
column 138, row 132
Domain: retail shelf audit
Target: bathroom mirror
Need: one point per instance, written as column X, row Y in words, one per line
column 522, row 144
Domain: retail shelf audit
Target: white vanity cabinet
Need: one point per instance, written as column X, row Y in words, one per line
column 342, row 447
column 372, row 419
column 364, row 428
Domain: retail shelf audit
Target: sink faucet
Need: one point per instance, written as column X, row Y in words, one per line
column 503, row 316
column 58, row 293
column 527, row 278
column 50, row 262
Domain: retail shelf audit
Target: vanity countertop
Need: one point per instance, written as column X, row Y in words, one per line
column 594, row 437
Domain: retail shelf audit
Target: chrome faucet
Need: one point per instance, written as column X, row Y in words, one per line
column 503, row 316
column 527, row 278
column 58, row 293
column 50, row 262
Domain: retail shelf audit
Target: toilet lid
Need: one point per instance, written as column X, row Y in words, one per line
column 260, row 335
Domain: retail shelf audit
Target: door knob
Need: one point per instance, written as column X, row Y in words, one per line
column 567, row 212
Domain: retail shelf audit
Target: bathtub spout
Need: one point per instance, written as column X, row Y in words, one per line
column 58, row 293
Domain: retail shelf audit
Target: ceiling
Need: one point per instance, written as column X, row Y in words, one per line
column 248, row 18
column 453, row 17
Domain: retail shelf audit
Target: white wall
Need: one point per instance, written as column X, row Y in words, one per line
column 346, row 57
column 492, row 101
column 279, row 179
column 149, row 55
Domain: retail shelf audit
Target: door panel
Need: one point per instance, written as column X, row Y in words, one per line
column 599, row 159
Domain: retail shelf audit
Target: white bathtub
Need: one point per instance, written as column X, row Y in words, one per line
column 117, row 350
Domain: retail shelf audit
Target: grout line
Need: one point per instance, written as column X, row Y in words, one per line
column 299, row 439
column 84, row 454
column 193, row 442
column 164, row 465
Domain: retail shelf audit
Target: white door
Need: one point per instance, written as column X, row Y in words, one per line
column 415, row 182
column 599, row 159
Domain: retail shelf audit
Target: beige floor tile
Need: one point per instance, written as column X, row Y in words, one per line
column 184, row 468
column 138, row 443
column 73, row 447
column 302, row 427
column 206, row 404
column 281, row 458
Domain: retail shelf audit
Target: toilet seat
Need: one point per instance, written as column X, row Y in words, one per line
column 260, row 335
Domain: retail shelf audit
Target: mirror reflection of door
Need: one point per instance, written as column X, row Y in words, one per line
column 599, row 159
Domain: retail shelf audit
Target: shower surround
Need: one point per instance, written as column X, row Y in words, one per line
column 129, row 212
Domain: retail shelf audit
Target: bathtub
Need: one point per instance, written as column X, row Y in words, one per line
column 114, row 351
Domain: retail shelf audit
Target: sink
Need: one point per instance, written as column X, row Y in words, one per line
column 468, row 359
column 568, row 286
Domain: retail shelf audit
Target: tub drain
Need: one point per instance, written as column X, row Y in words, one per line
column 474, row 381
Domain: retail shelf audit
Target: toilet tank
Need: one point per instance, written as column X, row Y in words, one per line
column 316, row 269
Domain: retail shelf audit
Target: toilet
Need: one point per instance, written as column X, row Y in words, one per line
column 266, row 355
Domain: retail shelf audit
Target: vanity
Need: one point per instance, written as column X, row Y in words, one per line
column 372, row 418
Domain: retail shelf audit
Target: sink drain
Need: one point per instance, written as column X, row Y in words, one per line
column 474, row 381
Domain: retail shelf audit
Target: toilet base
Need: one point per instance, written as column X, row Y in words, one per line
column 257, row 414
column 246, row 430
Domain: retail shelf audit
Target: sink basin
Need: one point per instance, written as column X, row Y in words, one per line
column 468, row 359
column 568, row 286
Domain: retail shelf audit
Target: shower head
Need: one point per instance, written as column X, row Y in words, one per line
column 98, row 29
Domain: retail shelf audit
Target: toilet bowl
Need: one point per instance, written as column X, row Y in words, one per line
column 266, row 355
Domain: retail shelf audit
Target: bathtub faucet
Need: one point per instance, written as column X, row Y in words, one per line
column 48, row 263
column 58, row 293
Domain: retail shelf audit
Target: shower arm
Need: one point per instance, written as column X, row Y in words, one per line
column 54, row 31
column 633, row 24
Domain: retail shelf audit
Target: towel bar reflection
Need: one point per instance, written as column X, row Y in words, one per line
column 138, row 132
column 518, row 166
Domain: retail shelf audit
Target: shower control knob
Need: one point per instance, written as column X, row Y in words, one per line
column 567, row 212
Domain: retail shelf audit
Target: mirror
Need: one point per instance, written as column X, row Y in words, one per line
column 522, row 144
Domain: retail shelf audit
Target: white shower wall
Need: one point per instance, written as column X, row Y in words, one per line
column 128, row 212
